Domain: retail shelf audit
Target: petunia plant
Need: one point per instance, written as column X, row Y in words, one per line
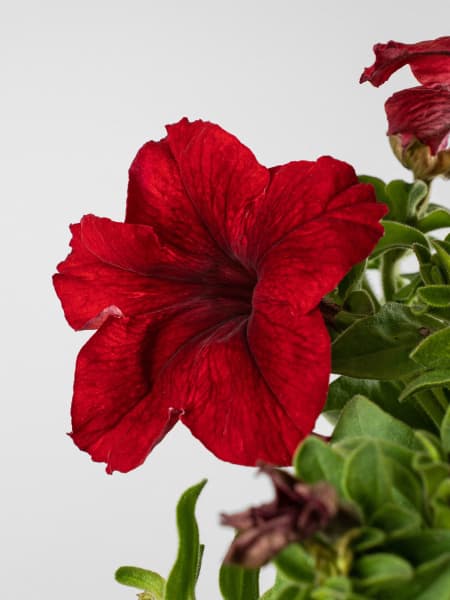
column 226, row 299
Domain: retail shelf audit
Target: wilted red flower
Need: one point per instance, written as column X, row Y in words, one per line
column 422, row 112
column 206, row 298
column 298, row 511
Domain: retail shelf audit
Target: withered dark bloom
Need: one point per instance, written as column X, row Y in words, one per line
column 298, row 511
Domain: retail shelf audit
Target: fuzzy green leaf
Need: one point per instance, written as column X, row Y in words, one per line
column 434, row 350
column 352, row 281
column 435, row 295
column 443, row 255
column 399, row 236
column 363, row 418
column 317, row 461
column 428, row 380
column 437, row 218
column 385, row 394
column 445, row 431
column 360, row 303
column 378, row 346
column 366, row 478
column 406, row 293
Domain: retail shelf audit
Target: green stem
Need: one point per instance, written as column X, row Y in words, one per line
column 368, row 288
column 389, row 274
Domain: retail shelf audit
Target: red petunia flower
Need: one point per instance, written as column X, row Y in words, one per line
column 206, row 299
column 423, row 112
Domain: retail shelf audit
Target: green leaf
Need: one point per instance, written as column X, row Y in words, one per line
column 367, row 479
column 363, row 418
column 379, row 187
column 279, row 584
column 381, row 571
column 435, row 295
column 237, row 583
column 445, row 432
column 384, row 394
column 291, row 592
column 421, row 547
column 431, row 472
column 431, row 445
column 434, row 350
column 407, row 489
column 431, row 581
column 417, row 195
column 396, row 520
column 407, row 292
column 295, row 564
column 443, row 254
column 366, row 538
column 404, row 199
column 441, row 506
column 427, row 380
column 183, row 576
column 352, row 281
column 398, row 236
column 142, row 579
column 378, row 347
column 396, row 452
column 317, row 461
column 437, row 218
column 334, row 588
column 359, row 302
column 437, row 277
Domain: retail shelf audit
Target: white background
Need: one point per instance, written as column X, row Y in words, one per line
column 83, row 85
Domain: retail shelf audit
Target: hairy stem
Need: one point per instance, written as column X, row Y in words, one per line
column 365, row 284
column 389, row 274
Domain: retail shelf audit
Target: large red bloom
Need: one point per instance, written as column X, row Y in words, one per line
column 422, row 112
column 206, row 299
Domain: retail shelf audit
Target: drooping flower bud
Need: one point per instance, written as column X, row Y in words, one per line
column 419, row 159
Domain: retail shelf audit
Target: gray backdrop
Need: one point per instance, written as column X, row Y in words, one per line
column 83, row 85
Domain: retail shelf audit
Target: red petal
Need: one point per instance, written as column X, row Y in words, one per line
column 92, row 290
column 228, row 404
column 222, row 177
column 298, row 193
column 114, row 416
column 429, row 61
column 423, row 113
column 293, row 353
column 316, row 222
column 156, row 197
column 311, row 260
